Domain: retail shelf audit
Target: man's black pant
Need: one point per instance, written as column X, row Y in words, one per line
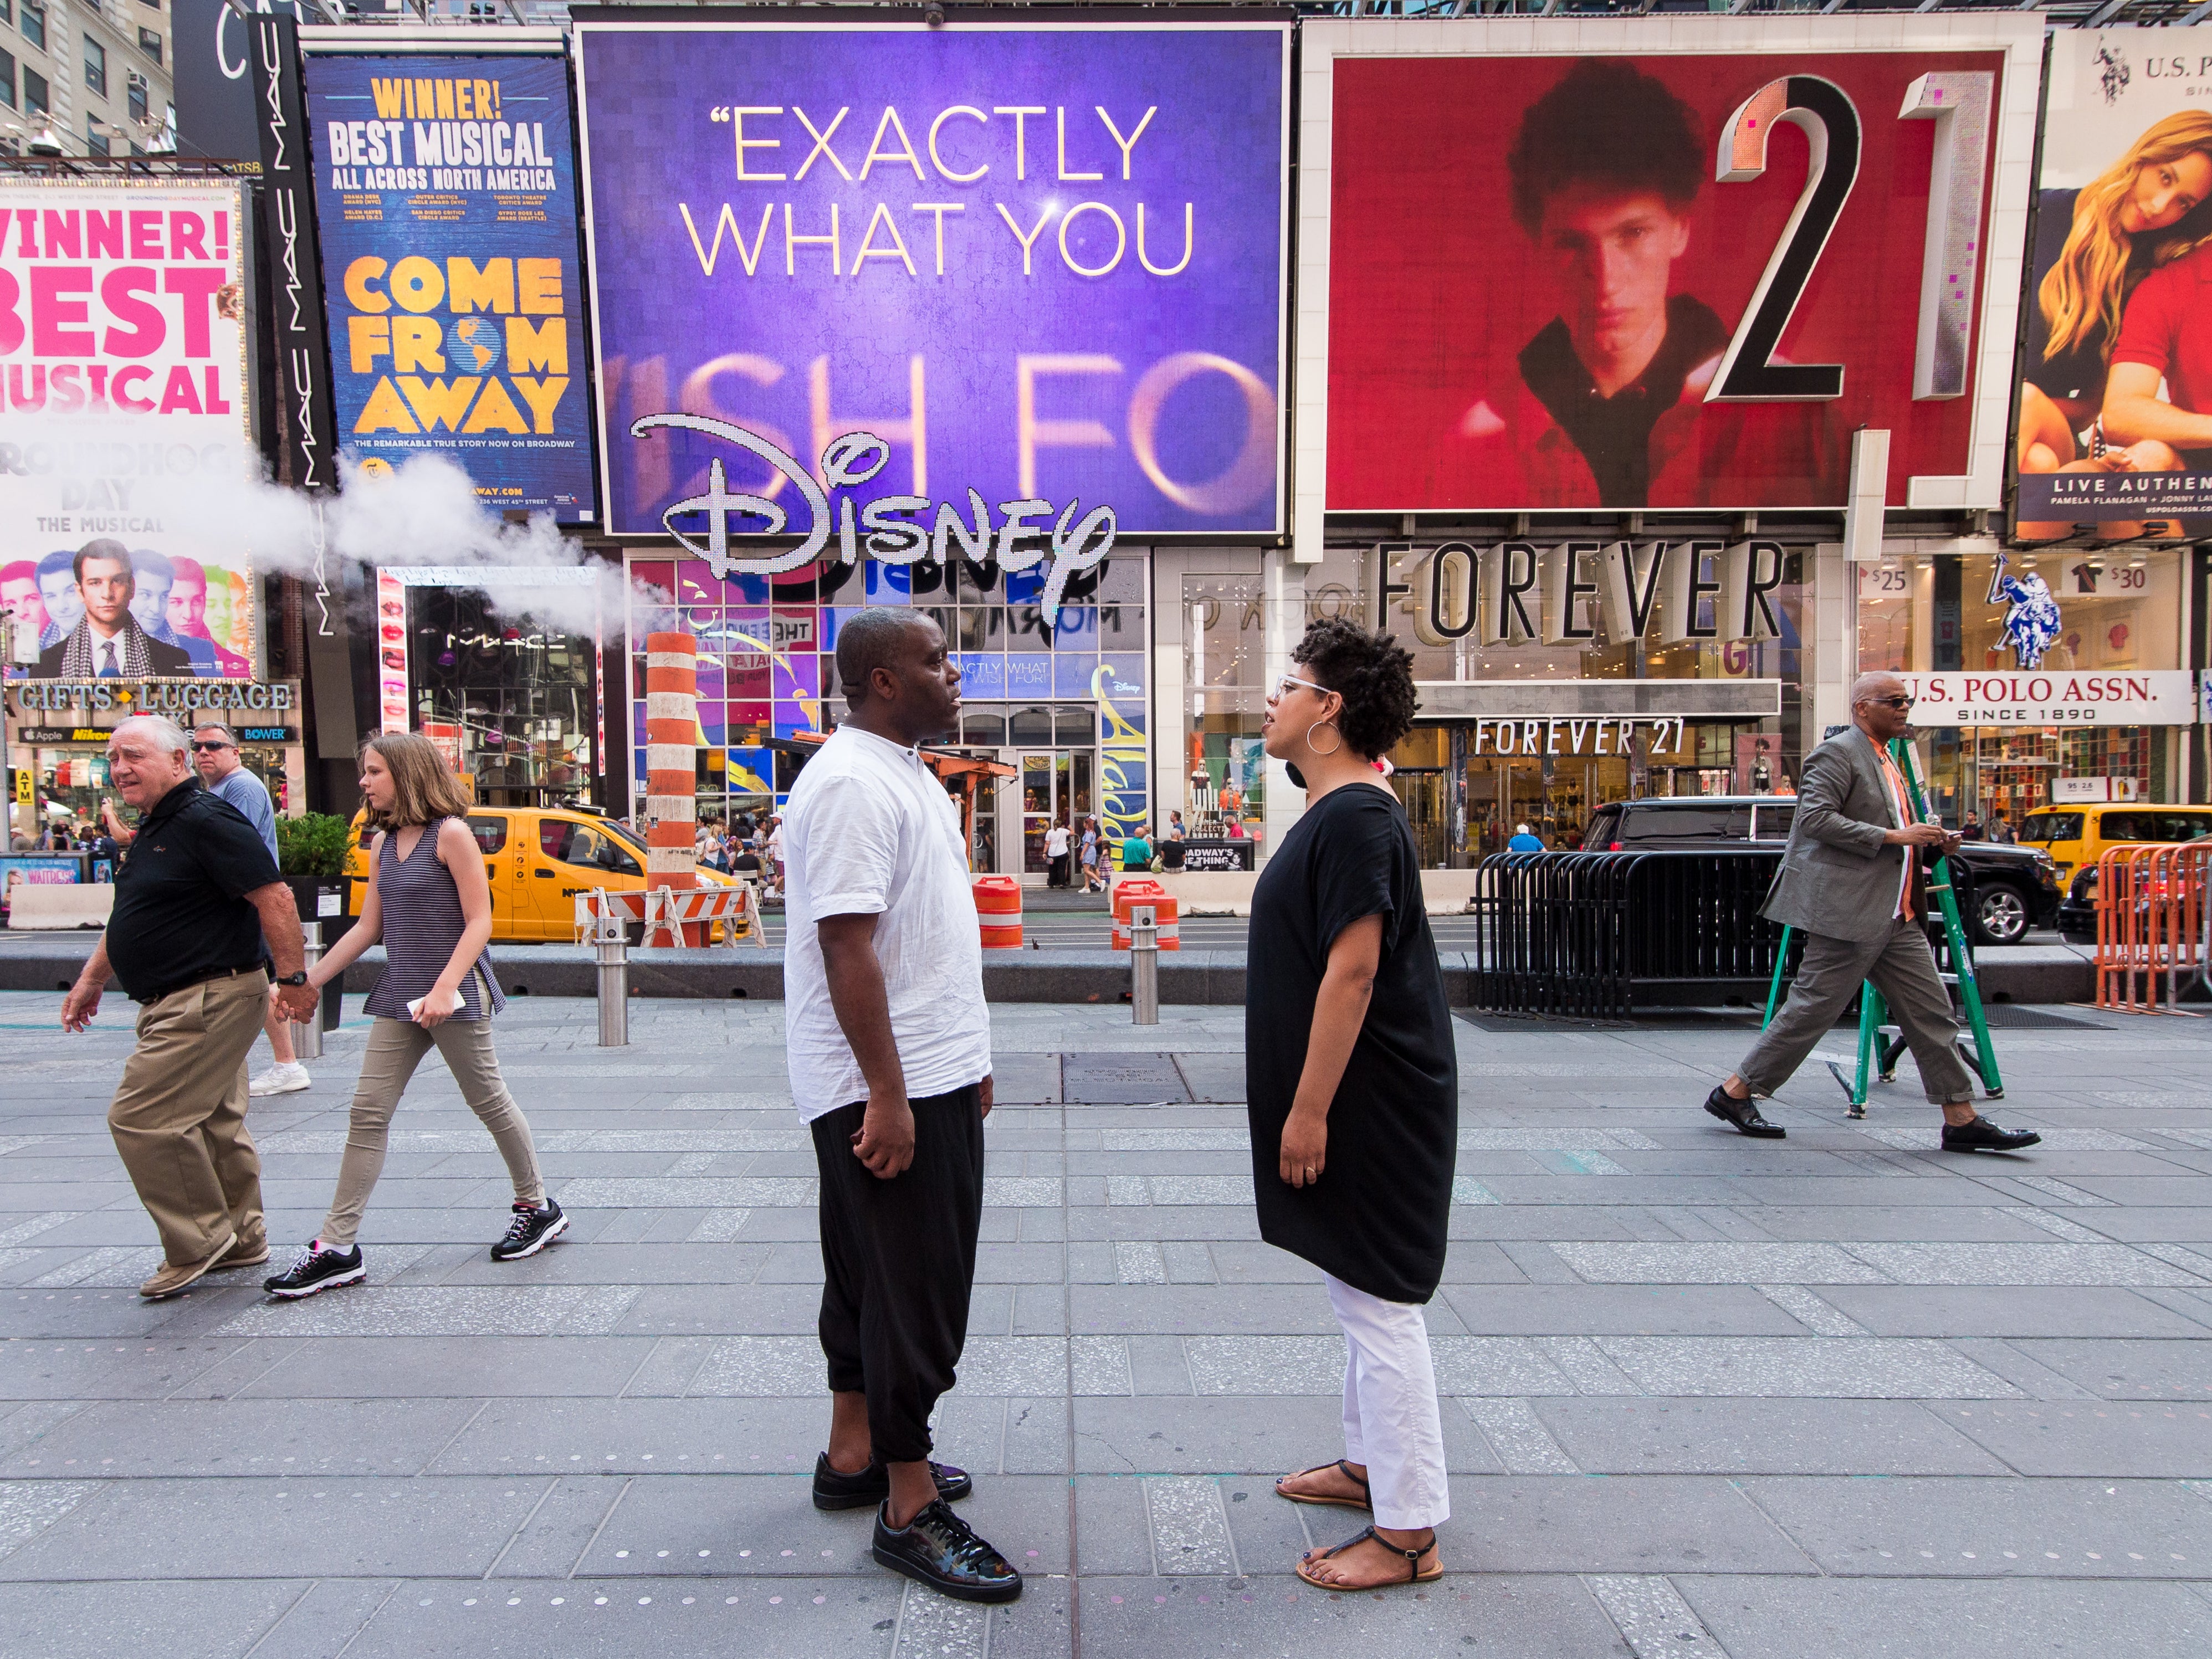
column 898, row 1261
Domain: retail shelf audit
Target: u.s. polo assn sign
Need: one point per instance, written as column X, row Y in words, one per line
column 2049, row 697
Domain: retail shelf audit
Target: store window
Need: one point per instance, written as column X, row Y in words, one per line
column 512, row 701
column 1225, row 670
column 2118, row 611
column 1073, row 695
column 1469, row 783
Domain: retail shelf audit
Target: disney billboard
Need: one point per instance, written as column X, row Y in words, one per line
column 1042, row 261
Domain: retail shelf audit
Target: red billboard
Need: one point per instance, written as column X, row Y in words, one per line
column 1666, row 277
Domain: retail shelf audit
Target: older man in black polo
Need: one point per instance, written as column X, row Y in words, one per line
column 196, row 897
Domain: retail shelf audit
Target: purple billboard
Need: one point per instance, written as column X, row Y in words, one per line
column 1042, row 264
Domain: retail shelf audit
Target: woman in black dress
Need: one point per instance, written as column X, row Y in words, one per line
column 1354, row 1090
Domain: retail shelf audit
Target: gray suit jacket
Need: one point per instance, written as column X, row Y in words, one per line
column 1837, row 878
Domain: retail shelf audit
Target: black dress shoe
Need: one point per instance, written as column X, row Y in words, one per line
column 1744, row 1114
column 939, row 1549
column 834, row 1490
column 1980, row 1135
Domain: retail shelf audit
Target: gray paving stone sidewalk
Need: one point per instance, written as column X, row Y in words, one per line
column 1841, row 1395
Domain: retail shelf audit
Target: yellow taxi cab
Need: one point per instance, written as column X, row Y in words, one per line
column 537, row 860
column 2075, row 837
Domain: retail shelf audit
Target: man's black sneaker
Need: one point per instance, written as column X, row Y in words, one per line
column 1979, row 1134
column 319, row 1268
column 533, row 1228
column 939, row 1549
column 834, row 1490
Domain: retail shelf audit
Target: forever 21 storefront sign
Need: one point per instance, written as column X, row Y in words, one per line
column 152, row 696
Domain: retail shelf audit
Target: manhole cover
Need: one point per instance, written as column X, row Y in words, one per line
column 1120, row 1080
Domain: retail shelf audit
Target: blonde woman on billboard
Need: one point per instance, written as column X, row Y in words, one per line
column 2136, row 216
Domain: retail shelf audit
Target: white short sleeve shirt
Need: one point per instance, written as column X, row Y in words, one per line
column 871, row 831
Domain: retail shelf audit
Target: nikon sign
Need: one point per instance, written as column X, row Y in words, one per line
column 1590, row 592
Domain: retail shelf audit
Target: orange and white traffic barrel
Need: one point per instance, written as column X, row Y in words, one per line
column 1140, row 891
column 999, row 912
column 672, row 739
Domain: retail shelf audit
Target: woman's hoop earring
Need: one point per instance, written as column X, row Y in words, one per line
column 1324, row 753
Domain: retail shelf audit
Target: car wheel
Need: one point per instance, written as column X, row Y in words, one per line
column 2000, row 917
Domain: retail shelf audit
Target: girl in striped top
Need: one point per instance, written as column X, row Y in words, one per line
column 428, row 901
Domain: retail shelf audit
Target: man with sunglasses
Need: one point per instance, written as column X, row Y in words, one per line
column 1850, row 882
column 223, row 769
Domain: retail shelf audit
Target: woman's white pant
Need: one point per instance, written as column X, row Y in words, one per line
column 1390, row 1421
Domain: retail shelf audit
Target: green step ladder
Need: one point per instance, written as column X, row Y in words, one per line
column 1877, row 1057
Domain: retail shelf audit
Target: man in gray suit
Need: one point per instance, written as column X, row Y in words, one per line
column 1850, row 882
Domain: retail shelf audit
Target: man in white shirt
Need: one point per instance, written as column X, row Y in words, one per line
column 890, row 1047
column 215, row 755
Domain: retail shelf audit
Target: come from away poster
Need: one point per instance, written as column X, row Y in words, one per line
column 445, row 192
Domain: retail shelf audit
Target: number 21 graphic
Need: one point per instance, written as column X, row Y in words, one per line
column 1959, row 102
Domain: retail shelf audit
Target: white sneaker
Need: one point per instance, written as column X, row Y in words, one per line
column 287, row 1080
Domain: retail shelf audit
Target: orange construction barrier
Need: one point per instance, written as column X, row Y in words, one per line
column 1141, row 891
column 999, row 911
column 677, row 916
column 2150, row 921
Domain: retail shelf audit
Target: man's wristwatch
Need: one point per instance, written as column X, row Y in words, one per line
column 299, row 978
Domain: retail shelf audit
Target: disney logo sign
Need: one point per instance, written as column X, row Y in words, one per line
column 891, row 529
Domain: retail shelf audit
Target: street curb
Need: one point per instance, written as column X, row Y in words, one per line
column 1196, row 978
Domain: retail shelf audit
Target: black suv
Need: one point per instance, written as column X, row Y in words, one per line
column 2003, row 890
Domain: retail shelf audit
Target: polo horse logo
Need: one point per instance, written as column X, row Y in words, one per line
column 2031, row 622
column 2112, row 72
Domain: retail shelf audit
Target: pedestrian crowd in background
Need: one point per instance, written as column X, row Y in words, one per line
column 747, row 846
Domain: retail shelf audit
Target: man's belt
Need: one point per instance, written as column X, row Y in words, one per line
column 197, row 979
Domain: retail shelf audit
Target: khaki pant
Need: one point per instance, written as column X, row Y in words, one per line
column 1903, row 968
column 396, row 1047
column 178, row 1115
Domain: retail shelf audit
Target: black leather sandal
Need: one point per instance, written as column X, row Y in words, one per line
column 1363, row 1502
column 1414, row 1573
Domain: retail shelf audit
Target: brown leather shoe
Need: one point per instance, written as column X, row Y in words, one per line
column 174, row 1278
column 251, row 1250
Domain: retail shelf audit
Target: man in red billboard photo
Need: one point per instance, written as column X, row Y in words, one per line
column 1609, row 410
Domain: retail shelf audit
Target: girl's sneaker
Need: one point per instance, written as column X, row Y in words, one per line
column 319, row 1268
column 533, row 1228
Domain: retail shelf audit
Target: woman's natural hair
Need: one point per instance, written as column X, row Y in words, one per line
column 422, row 790
column 1373, row 672
column 2083, row 292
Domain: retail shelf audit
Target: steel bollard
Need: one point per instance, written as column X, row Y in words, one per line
column 614, row 980
column 307, row 1039
column 1145, row 964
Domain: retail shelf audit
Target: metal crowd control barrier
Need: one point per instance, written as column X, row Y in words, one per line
column 2152, row 919
column 1598, row 935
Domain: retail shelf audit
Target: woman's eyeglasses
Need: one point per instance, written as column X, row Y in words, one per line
column 1283, row 686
